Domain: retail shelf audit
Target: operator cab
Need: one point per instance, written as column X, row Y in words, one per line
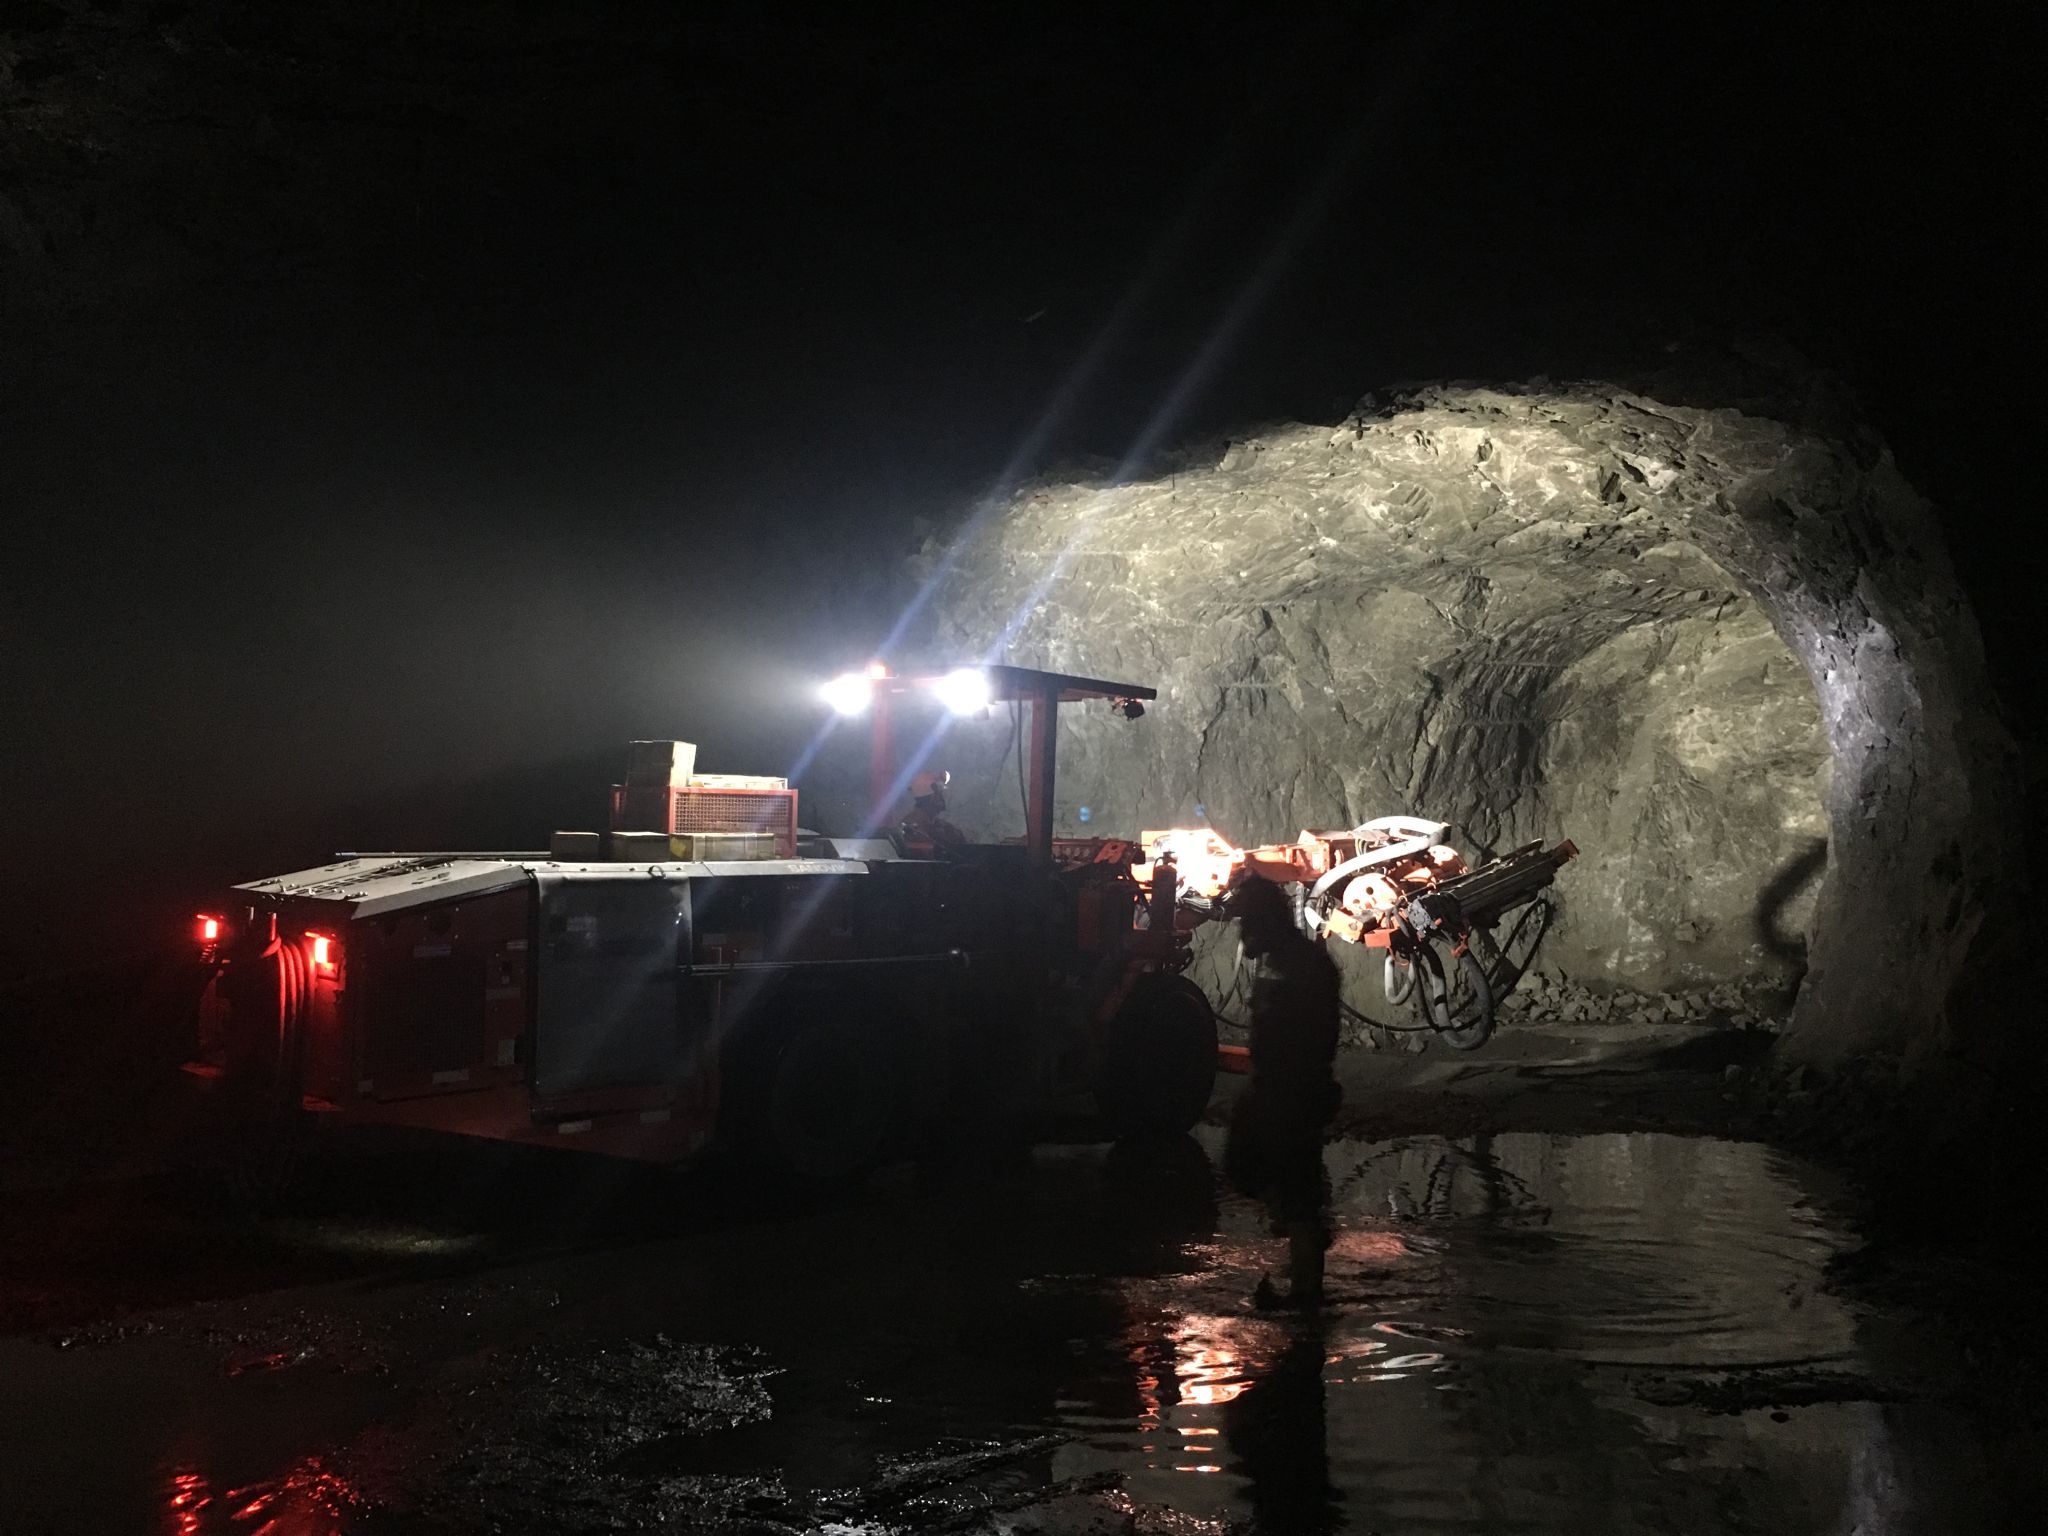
column 967, row 691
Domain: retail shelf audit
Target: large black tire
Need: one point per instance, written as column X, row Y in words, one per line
column 816, row 1098
column 1455, row 999
column 1158, row 1068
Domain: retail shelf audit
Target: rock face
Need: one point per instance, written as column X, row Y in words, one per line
column 1715, row 641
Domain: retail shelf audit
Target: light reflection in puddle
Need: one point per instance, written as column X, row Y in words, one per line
column 310, row 1499
column 1510, row 1291
column 1529, row 1332
column 186, row 1498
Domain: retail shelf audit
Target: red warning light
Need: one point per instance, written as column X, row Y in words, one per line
column 209, row 929
column 323, row 951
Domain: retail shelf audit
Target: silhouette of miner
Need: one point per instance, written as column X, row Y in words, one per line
column 1275, row 1151
column 926, row 830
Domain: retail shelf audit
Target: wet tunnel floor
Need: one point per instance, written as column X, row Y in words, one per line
column 1530, row 1332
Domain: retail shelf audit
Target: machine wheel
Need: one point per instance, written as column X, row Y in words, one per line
column 818, row 1099
column 1454, row 999
column 1159, row 1060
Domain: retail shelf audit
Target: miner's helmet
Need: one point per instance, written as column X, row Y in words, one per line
column 1256, row 901
column 929, row 783
column 1265, row 916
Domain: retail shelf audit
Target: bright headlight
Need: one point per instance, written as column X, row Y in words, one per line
column 849, row 694
column 964, row 692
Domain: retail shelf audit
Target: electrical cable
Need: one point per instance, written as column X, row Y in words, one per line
column 1236, row 989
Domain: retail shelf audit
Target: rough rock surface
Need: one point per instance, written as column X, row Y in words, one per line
column 1711, row 637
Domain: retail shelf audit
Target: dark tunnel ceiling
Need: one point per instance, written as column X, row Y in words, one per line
column 520, row 231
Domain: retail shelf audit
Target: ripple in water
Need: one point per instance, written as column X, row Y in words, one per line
column 1517, row 1326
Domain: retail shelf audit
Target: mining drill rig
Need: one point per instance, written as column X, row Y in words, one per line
column 1393, row 885
column 706, row 974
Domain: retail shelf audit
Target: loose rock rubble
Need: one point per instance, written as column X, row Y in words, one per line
column 1550, row 998
column 1547, row 997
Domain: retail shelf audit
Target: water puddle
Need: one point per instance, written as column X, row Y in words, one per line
column 1528, row 1333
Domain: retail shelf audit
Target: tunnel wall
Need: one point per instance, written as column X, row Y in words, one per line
column 1706, row 641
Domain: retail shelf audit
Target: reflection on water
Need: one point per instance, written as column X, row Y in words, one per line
column 307, row 1500
column 1278, row 1434
column 1528, row 1333
column 1206, row 1372
column 185, row 1501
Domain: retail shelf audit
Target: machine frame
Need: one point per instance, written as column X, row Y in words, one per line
column 805, row 1009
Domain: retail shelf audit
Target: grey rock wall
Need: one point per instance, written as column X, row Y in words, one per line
column 1716, row 644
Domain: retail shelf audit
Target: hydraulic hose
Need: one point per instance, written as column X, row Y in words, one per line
column 1398, row 978
column 277, row 1064
column 1413, row 835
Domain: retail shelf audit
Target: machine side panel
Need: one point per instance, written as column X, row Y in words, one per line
column 765, row 928
column 606, row 1003
column 439, row 995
